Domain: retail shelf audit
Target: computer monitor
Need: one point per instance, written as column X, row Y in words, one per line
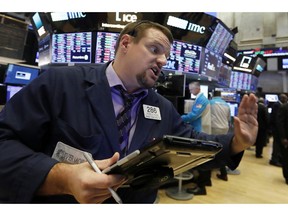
column 184, row 57
column 229, row 94
column 244, row 63
column 271, row 97
column 283, row 63
column 210, row 65
column 220, row 38
column 11, row 91
column 224, row 75
column 44, row 47
column 105, row 46
column 20, row 74
column 38, row 24
column 72, row 47
column 233, row 108
column 241, row 81
column 259, row 67
column 174, row 85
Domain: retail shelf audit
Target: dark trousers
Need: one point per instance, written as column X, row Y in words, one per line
column 260, row 142
column 284, row 161
column 223, row 171
column 276, row 148
column 204, row 178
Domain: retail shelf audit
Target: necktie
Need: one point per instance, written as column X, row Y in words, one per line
column 123, row 119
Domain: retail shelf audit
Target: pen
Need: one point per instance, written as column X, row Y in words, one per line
column 97, row 170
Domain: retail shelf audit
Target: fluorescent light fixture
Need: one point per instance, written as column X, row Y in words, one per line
column 242, row 69
column 248, row 52
column 229, row 57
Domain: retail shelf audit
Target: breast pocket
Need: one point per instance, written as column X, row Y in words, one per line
column 91, row 141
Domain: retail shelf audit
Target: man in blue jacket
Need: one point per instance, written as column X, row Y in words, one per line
column 200, row 119
column 200, row 115
column 78, row 106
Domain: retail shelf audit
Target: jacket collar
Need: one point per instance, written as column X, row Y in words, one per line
column 99, row 95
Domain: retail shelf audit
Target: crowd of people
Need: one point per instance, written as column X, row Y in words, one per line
column 214, row 116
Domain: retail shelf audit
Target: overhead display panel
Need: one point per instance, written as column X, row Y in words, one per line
column 195, row 28
column 72, row 47
column 184, row 57
column 105, row 46
column 210, row 64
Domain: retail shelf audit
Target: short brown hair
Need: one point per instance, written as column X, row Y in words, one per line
column 137, row 30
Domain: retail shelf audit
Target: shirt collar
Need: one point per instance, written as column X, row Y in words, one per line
column 114, row 80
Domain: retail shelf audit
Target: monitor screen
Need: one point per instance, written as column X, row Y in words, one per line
column 219, row 39
column 184, row 57
column 12, row 90
column 204, row 89
column 174, row 85
column 233, row 108
column 240, row 81
column 230, row 54
column 284, row 63
column 37, row 57
column 37, row 21
column 210, row 65
column 259, row 67
column 44, row 47
column 20, row 74
column 254, row 83
column 105, row 46
column 72, row 47
column 271, row 97
column 244, row 63
column 224, row 75
column 229, row 94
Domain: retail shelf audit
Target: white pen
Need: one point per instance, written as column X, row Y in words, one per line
column 97, row 170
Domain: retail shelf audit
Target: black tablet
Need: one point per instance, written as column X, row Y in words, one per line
column 164, row 158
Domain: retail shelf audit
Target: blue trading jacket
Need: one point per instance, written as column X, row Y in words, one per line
column 200, row 116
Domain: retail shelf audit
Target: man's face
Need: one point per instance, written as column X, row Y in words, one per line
column 146, row 58
column 194, row 89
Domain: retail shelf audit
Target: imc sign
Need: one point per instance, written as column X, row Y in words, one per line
column 185, row 25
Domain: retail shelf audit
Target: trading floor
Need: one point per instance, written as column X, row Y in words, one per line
column 259, row 182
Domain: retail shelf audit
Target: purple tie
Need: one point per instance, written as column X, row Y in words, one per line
column 123, row 119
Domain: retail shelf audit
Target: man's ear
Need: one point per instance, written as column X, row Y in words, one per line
column 125, row 40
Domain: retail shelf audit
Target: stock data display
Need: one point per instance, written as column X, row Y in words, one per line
column 219, row 40
column 224, row 75
column 105, row 46
column 240, row 81
column 211, row 64
column 72, row 47
column 184, row 57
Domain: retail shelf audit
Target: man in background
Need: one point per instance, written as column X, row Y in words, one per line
column 282, row 122
column 200, row 119
column 276, row 152
column 263, row 120
column 220, row 122
column 200, row 115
